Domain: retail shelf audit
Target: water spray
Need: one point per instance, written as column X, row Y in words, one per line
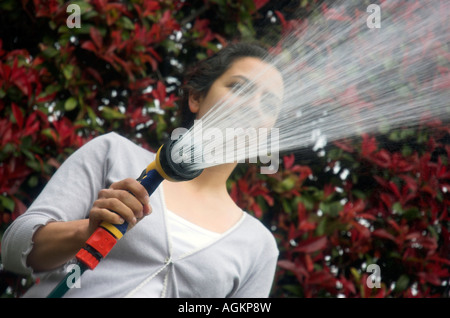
column 342, row 79
column 101, row 242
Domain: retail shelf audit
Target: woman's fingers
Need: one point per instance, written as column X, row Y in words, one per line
column 127, row 198
column 133, row 186
column 115, row 206
column 99, row 215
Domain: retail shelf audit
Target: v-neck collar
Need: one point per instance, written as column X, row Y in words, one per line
column 194, row 251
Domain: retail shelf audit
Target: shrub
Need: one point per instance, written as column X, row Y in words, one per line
column 373, row 199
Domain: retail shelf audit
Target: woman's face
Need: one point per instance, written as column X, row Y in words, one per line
column 254, row 87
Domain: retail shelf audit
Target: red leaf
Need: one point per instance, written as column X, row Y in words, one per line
column 411, row 183
column 160, row 92
column 268, row 199
column 309, row 263
column 284, row 24
column 256, row 210
column 383, row 234
column 19, row 208
column 17, row 115
column 32, row 125
column 328, row 190
column 381, row 181
column 394, row 189
column 430, row 278
column 382, row 158
column 88, row 45
column 306, row 226
column 260, row 3
column 344, row 145
column 312, row 245
column 95, row 74
column 289, row 161
column 96, row 37
column 285, row 264
column 394, row 225
column 322, row 278
column 369, row 145
column 20, row 78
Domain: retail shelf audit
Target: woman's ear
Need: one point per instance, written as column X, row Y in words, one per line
column 194, row 102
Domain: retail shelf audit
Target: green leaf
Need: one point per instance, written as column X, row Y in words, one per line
column 126, row 23
column 286, row 206
column 412, row 213
column 109, row 113
column 33, row 181
column 320, row 229
column 307, row 201
column 293, row 289
column 356, row 274
column 359, row 194
column 288, row 183
column 331, row 208
column 397, row 208
column 7, row 5
column 246, row 31
column 47, row 132
column 70, row 104
column 7, row 203
column 68, row 70
column 50, row 52
column 84, row 5
column 402, row 283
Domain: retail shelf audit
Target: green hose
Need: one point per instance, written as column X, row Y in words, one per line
column 63, row 286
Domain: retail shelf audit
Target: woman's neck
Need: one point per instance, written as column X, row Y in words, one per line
column 212, row 179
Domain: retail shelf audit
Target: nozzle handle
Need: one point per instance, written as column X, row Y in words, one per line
column 151, row 180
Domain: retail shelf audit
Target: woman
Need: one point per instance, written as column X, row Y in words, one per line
column 189, row 239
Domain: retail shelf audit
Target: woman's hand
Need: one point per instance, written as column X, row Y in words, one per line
column 127, row 198
column 57, row 242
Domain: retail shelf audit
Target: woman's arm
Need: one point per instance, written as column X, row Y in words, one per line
column 74, row 202
column 57, row 242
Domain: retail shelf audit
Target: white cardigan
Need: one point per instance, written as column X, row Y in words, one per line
column 241, row 263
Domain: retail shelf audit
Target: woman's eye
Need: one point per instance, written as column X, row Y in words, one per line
column 241, row 89
column 236, row 87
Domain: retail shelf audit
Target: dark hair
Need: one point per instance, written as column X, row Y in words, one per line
column 199, row 79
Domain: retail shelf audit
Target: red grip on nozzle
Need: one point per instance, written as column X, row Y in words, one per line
column 87, row 259
column 102, row 241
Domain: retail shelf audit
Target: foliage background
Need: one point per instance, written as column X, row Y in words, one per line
column 380, row 199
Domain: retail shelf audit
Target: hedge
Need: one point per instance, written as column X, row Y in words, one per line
column 378, row 199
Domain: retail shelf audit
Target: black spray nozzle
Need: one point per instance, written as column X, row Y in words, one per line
column 174, row 171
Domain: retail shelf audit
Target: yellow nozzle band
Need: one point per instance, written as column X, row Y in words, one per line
column 112, row 229
column 156, row 164
column 151, row 167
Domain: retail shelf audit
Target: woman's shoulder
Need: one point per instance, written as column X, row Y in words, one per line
column 114, row 141
column 111, row 138
column 258, row 232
